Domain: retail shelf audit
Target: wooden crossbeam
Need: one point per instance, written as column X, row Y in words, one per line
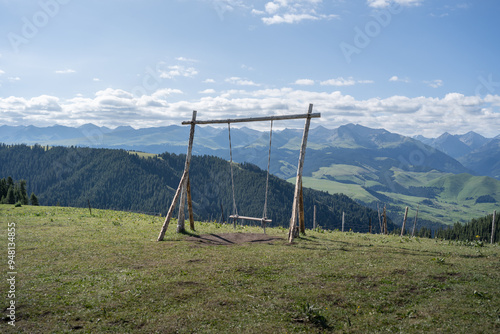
column 254, row 119
column 250, row 218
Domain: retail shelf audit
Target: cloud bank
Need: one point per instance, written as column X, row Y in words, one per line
column 428, row 116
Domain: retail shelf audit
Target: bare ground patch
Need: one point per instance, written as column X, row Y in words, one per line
column 227, row 239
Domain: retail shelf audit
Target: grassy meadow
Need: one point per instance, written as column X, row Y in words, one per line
column 105, row 272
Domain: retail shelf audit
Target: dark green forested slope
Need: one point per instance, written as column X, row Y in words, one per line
column 476, row 229
column 115, row 179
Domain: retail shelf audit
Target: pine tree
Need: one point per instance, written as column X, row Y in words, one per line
column 34, row 199
column 23, row 194
column 11, row 197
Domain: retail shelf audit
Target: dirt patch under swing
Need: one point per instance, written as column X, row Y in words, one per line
column 227, row 239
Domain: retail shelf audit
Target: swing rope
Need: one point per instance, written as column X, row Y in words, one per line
column 235, row 210
column 264, row 214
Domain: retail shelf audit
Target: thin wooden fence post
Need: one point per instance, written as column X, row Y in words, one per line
column 385, row 220
column 343, row 220
column 222, row 214
column 314, row 217
column 379, row 220
column 300, row 167
column 493, row 227
column 415, row 223
column 404, row 222
column 370, row 225
column 90, row 210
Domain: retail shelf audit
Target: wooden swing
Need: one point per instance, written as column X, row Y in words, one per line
column 184, row 190
column 235, row 215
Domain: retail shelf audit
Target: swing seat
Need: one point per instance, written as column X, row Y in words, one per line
column 251, row 218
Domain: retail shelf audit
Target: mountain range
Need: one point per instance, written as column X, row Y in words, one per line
column 444, row 177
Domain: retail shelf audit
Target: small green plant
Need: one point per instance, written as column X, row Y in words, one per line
column 319, row 229
column 18, row 205
column 439, row 260
column 308, row 313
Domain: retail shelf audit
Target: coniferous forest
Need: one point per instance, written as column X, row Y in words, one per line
column 121, row 180
column 476, row 229
column 12, row 192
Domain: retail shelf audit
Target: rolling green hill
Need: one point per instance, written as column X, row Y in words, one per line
column 444, row 198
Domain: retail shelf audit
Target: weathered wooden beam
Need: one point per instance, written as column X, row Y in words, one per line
column 190, row 206
column 302, row 221
column 254, row 119
column 172, row 207
column 298, row 181
column 180, row 220
column 236, row 217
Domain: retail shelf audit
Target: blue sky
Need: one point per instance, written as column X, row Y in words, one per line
column 410, row 66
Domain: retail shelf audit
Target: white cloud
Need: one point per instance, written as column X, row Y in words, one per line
column 386, row 3
column 246, row 67
column 208, row 91
column 429, row 116
column 435, row 83
column 170, row 72
column 67, row 71
column 2, row 72
column 304, row 82
column 395, row 78
column 188, row 60
column 344, row 82
column 292, row 11
column 14, row 79
column 209, row 80
column 240, row 82
column 272, row 7
column 96, row 79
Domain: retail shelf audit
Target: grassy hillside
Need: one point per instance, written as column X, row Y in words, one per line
column 106, row 273
column 444, row 198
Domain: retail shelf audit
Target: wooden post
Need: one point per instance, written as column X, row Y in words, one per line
column 343, row 220
column 302, row 223
column 222, row 214
column 90, row 210
column 314, row 217
column 190, row 206
column 385, row 220
column 298, row 181
column 493, row 227
column 415, row 223
column 379, row 220
column 172, row 207
column 180, row 220
column 404, row 222
column 370, row 226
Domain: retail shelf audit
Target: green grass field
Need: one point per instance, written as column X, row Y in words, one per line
column 106, row 272
column 455, row 200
